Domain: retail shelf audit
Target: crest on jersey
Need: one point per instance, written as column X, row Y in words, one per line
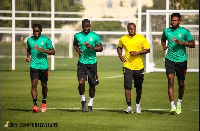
column 90, row 38
column 180, row 35
column 42, row 42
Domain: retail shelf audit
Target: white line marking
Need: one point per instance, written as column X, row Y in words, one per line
column 109, row 77
column 114, row 76
column 99, row 109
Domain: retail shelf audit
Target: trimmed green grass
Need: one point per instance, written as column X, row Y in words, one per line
column 64, row 102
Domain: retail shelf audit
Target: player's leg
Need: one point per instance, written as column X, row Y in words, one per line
column 34, row 83
column 128, row 76
column 180, row 95
column 34, row 74
column 138, row 80
column 44, row 94
column 170, row 71
column 81, row 89
column 171, row 87
column 181, row 85
column 82, row 77
column 93, row 81
column 91, row 96
column 181, row 69
column 44, row 79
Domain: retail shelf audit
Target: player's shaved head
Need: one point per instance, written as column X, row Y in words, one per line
column 131, row 24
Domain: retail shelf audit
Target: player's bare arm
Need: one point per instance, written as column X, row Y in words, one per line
column 50, row 52
column 145, row 51
column 98, row 48
column 119, row 51
column 76, row 48
column 163, row 43
column 190, row 44
column 28, row 59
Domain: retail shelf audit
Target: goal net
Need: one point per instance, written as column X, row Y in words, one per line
column 156, row 22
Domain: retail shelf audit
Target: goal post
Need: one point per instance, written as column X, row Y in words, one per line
column 156, row 22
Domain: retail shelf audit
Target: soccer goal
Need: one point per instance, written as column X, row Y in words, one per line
column 156, row 22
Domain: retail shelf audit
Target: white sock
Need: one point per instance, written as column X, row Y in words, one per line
column 82, row 97
column 179, row 102
column 90, row 101
column 172, row 104
column 138, row 105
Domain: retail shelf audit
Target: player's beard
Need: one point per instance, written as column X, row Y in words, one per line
column 175, row 26
column 86, row 31
column 36, row 36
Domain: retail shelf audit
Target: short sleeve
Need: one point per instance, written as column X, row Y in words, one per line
column 28, row 46
column 120, row 44
column 188, row 36
column 98, row 39
column 75, row 39
column 49, row 44
column 163, row 36
column 145, row 43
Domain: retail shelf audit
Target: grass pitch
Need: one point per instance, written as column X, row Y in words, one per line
column 64, row 104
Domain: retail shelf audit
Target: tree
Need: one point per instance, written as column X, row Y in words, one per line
column 185, row 4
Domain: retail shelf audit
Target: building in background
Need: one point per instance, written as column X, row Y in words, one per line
column 112, row 8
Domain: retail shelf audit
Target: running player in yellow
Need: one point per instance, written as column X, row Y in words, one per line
column 176, row 58
column 135, row 45
column 38, row 48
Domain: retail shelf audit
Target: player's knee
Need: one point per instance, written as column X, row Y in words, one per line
column 44, row 84
column 127, row 86
column 81, row 82
column 34, row 85
column 181, row 84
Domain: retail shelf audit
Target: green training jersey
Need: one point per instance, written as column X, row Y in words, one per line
column 88, row 56
column 176, row 52
column 38, row 59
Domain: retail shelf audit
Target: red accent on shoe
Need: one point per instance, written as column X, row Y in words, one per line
column 43, row 107
column 35, row 109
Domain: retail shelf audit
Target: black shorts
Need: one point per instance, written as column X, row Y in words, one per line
column 40, row 74
column 177, row 68
column 88, row 70
column 129, row 75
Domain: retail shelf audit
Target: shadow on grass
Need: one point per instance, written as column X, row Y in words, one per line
column 116, row 111
column 157, row 111
column 70, row 110
column 23, row 110
column 148, row 111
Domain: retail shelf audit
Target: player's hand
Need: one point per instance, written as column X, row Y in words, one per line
column 87, row 45
column 132, row 53
column 79, row 51
column 28, row 59
column 122, row 58
column 178, row 42
column 165, row 47
column 41, row 50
